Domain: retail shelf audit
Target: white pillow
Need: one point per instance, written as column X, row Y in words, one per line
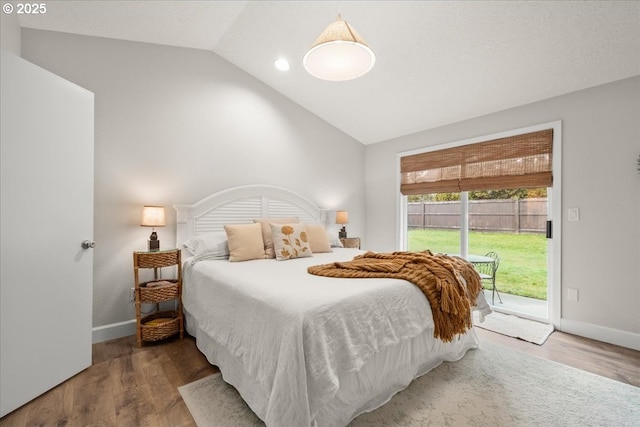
column 290, row 241
column 335, row 242
column 245, row 242
column 208, row 245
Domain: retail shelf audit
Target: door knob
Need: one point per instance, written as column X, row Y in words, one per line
column 88, row 244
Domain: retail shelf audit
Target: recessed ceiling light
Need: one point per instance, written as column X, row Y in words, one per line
column 282, row 64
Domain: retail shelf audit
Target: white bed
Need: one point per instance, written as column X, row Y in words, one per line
column 303, row 350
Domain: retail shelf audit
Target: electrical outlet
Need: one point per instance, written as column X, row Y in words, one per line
column 572, row 294
column 132, row 294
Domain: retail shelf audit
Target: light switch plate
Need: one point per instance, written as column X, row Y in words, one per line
column 572, row 294
column 574, row 214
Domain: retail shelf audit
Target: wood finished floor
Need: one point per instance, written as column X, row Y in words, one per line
column 130, row 386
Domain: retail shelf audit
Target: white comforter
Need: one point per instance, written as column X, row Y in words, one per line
column 296, row 333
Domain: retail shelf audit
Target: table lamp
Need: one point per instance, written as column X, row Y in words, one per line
column 153, row 216
column 342, row 217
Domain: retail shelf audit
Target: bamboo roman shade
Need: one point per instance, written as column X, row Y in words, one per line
column 521, row 161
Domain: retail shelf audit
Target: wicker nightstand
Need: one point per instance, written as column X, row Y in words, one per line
column 351, row 242
column 158, row 325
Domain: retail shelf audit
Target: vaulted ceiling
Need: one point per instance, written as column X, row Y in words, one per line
column 437, row 62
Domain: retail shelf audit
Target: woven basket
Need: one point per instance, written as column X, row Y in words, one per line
column 160, row 331
column 159, row 293
column 158, row 259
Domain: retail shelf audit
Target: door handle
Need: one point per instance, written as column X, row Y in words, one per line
column 88, row 244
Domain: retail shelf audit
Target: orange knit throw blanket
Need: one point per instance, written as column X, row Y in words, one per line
column 437, row 276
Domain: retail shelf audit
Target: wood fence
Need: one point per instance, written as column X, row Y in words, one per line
column 516, row 216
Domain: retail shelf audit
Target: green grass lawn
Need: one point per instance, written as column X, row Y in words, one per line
column 523, row 257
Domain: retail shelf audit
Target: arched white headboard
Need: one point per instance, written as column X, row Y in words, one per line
column 240, row 205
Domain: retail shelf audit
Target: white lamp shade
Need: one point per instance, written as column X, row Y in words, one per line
column 339, row 54
column 153, row 216
column 342, row 217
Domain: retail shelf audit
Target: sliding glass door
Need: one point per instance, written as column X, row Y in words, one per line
column 497, row 188
column 509, row 226
column 503, row 227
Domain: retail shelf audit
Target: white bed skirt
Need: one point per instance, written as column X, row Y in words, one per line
column 389, row 371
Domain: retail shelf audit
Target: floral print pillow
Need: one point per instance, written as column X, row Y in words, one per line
column 290, row 241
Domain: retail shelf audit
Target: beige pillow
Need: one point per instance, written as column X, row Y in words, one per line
column 318, row 239
column 290, row 241
column 245, row 241
column 266, row 232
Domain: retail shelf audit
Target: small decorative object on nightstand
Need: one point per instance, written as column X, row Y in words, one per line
column 351, row 242
column 342, row 218
column 158, row 325
column 153, row 216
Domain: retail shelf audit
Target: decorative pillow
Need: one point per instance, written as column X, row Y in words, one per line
column 266, row 232
column 208, row 245
column 290, row 241
column 318, row 239
column 245, row 241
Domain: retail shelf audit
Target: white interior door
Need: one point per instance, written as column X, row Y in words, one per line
column 47, row 212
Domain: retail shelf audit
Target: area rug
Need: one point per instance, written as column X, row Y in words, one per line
column 491, row 386
column 514, row 326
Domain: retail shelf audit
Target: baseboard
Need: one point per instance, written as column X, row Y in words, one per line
column 575, row 327
column 113, row 331
column 601, row 333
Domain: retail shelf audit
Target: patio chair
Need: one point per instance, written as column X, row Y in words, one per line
column 487, row 272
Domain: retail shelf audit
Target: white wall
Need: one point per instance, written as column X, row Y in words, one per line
column 174, row 125
column 10, row 32
column 601, row 252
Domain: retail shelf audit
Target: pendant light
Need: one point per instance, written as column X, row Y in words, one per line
column 339, row 54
